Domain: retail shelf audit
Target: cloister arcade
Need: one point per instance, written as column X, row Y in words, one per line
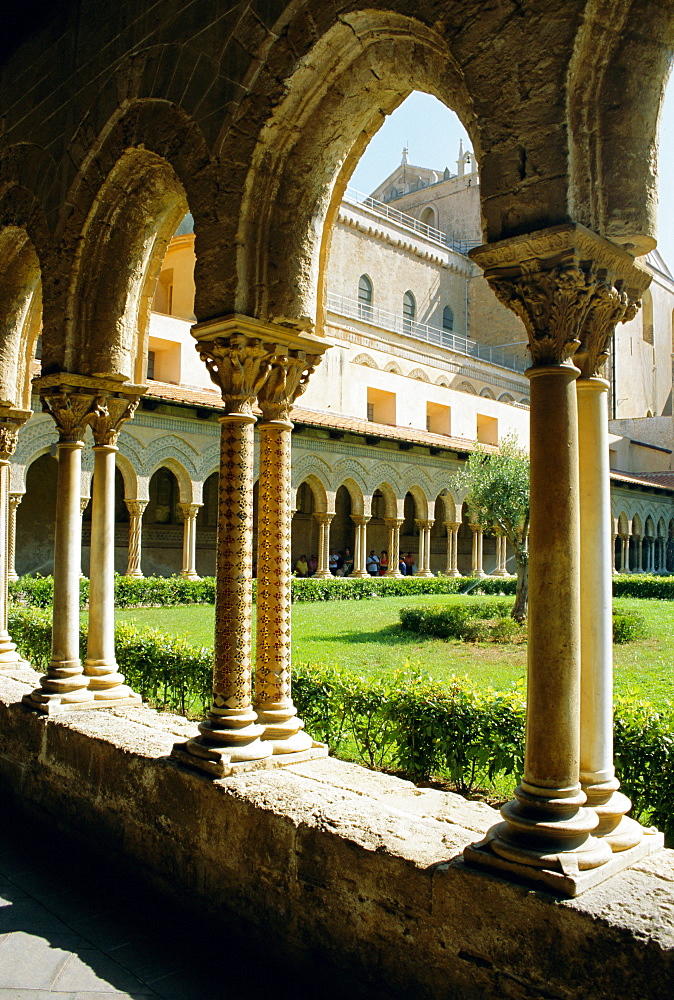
column 255, row 128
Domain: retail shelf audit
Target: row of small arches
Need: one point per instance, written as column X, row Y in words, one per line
column 422, row 376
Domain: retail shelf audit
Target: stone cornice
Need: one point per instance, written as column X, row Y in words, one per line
column 95, row 385
column 568, row 243
column 271, row 335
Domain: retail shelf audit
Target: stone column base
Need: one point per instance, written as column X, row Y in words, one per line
column 52, row 704
column 216, row 763
column 571, row 882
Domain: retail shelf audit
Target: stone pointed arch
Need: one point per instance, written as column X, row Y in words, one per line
column 421, row 501
column 129, row 476
column 391, row 502
column 420, row 374
column 318, row 492
column 356, row 492
column 185, row 482
column 332, row 102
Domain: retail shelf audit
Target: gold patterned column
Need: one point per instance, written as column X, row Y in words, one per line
column 189, row 568
column 394, row 524
column 324, row 522
column 64, row 686
column 549, row 280
column 106, row 683
column 616, row 300
column 238, row 352
column 290, row 372
column 136, row 509
column 14, row 501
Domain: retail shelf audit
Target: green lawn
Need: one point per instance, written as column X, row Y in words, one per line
column 365, row 637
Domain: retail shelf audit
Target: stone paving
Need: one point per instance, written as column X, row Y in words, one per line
column 71, row 931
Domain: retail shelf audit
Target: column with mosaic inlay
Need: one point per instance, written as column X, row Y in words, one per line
column 290, row 372
column 14, row 501
column 136, row 509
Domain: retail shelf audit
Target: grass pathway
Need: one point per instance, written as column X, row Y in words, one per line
column 365, row 636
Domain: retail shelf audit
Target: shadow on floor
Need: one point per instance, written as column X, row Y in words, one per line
column 76, row 927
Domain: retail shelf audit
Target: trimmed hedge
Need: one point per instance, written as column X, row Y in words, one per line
column 404, row 720
column 156, row 591
column 489, row 621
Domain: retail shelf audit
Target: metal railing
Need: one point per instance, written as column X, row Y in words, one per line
column 385, row 320
column 446, row 240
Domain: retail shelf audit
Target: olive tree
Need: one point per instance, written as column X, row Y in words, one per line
column 498, row 498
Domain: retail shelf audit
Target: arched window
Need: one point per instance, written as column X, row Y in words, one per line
column 647, row 318
column 365, row 297
column 447, row 319
column 409, row 311
column 428, row 217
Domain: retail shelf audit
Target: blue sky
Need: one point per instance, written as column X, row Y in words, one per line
column 432, row 133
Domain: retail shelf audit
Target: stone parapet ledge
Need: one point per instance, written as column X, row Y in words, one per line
column 356, row 874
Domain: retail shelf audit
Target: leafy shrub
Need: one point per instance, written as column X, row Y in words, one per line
column 151, row 591
column 628, row 626
column 643, row 585
column 469, row 619
column 644, row 757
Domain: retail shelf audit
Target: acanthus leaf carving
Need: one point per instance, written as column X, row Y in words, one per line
column 610, row 305
column 239, row 366
column 288, row 379
column 70, row 411
column 552, row 304
column 106, row 417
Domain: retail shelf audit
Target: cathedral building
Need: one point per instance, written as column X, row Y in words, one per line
column 425, row 365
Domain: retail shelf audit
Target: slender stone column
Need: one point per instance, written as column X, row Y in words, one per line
column 549, row 280
column 477, row 568
column 625, row 554
column 610, row 304
column 597, row 773
column 290, row 372
column 14, row 501
column 500, row 568
column 105, row 681
column 425, row 527
column 10, row 421
column 452, row 568
column 394, row 525
column 614, row 568
column 136, row 509
column 65, row 686
column 639, row 568
column 360, row 547
column 323, row 571
column 189, row 569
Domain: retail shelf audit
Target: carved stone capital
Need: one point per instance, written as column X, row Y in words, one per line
column 394, row 522
column 476, row 528
column 323, row 518
column 239, row 366
column 11, row 421
column 566, row 284
column 70, row 409
column 424, row 523
column 452, row 525
column 136, row 508
column 610, row 305
column 239, row 352
column 189, row 510
column 14, row 500
column 288, row 378
column 360, row 519
column 84, row 503
column 106, row 417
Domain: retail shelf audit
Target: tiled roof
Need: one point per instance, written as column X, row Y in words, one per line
column 319, row 418
column 663, row 480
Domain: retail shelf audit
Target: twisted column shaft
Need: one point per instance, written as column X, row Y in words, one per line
column 14, row 501
column 136, row 509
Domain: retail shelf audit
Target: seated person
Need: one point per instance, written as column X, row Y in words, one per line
column 302, row 566
column 348, row 562
column 313, row 564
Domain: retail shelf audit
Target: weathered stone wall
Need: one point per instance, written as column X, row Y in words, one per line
column 354, row 873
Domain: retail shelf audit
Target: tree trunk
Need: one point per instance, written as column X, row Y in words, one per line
column 519, row 611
